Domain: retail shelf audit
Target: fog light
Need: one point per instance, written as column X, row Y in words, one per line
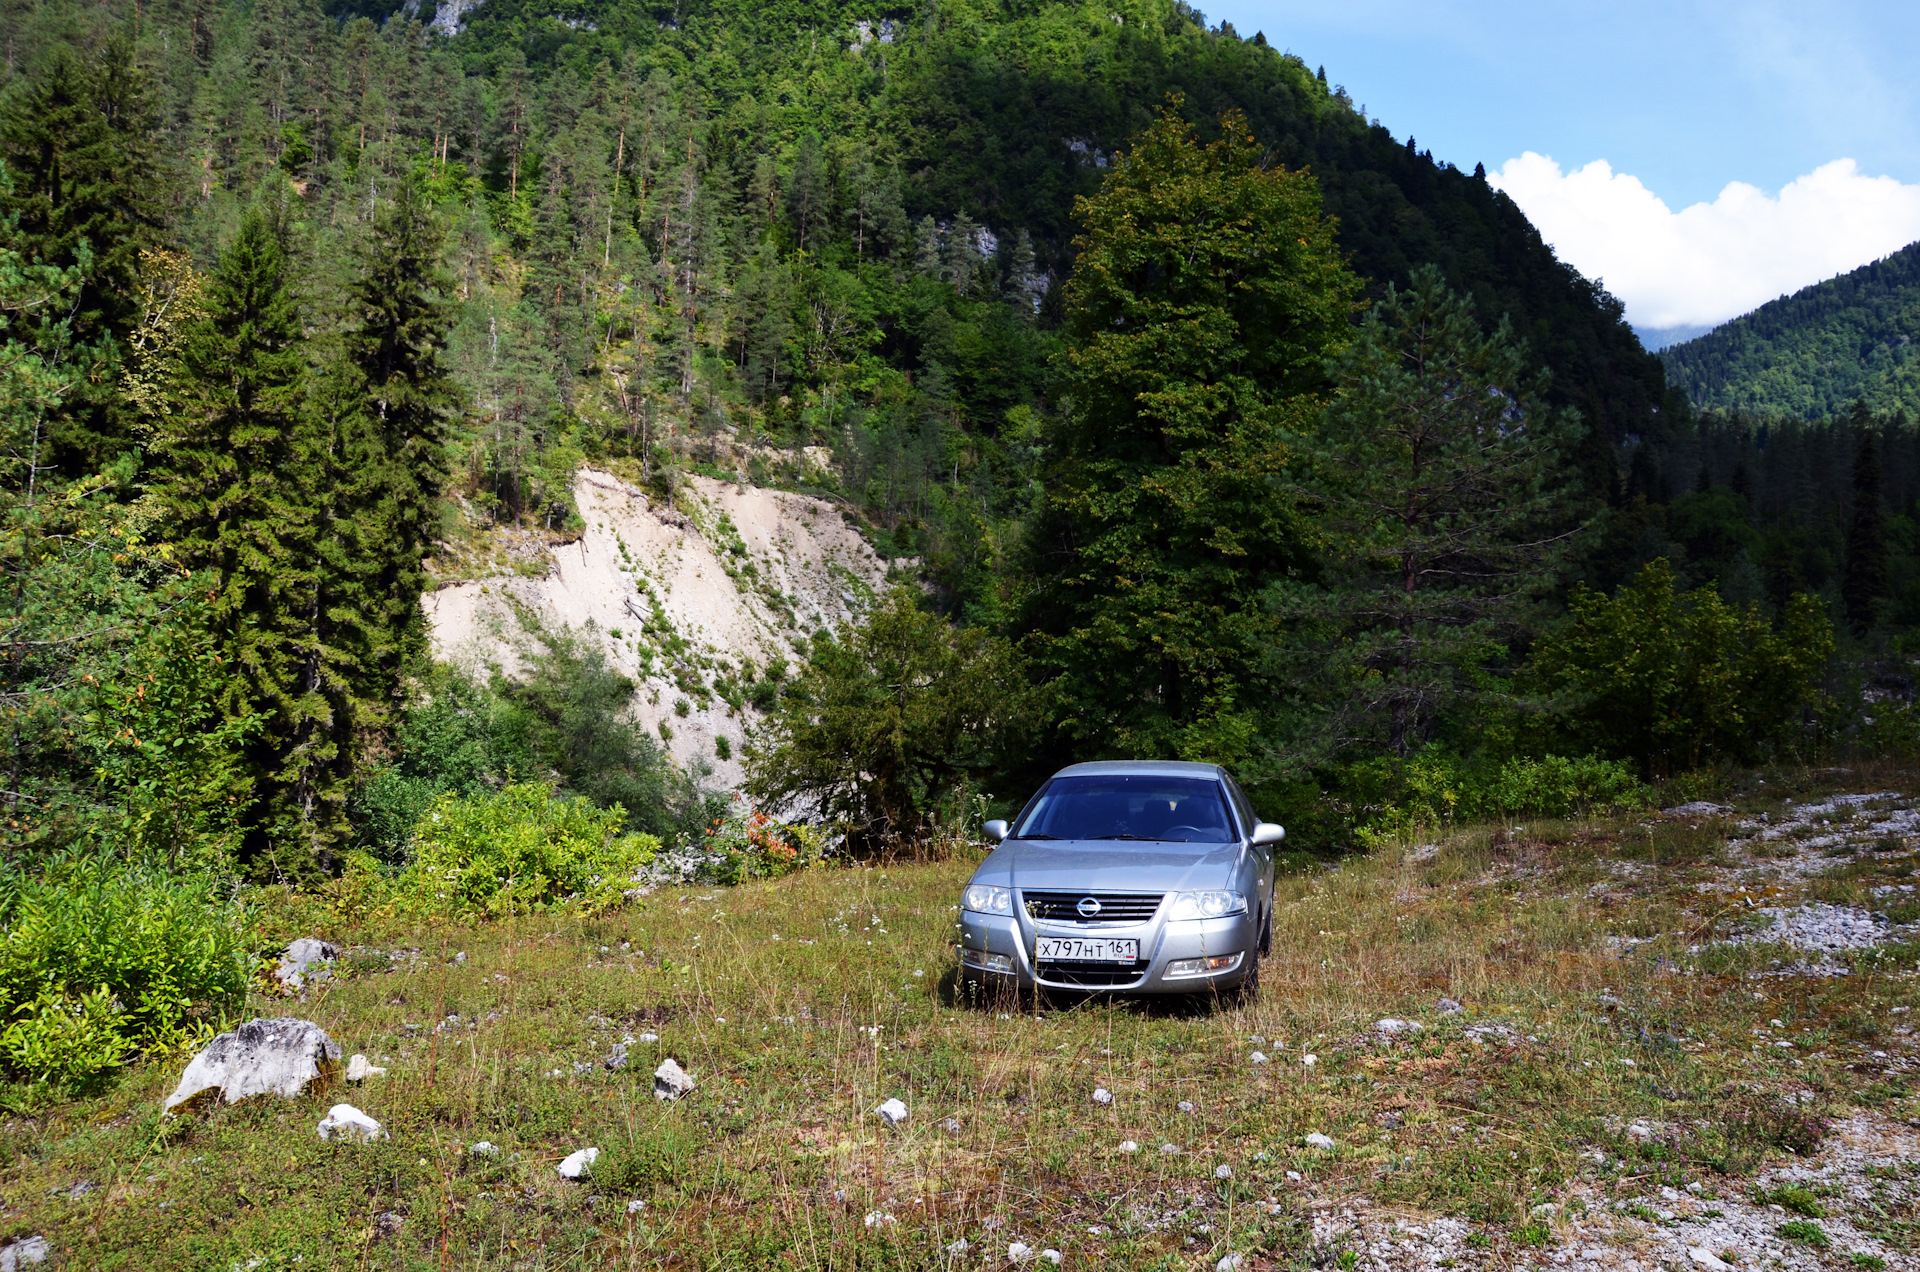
column 1202, row 966
column 986, row 962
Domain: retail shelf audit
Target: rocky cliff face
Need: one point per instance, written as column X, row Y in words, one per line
column 695, row 599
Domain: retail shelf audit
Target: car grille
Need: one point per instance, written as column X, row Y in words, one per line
column 1091, row 975
column 1115, row 907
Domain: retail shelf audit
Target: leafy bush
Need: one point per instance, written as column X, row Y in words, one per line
column 520, row 849
column 1391, row 797
column 746, row 843
column 101, row 960
column 1673, row 680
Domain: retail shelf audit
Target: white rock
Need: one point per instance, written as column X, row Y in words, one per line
column 1051, row 1256
column 1639, row 1132
column 280, row 1056
column 304, row 960
column 1309, row 1060
column 958, row 1247
column 892, row 1112
column 1392, row 1025
column 344, row 1122
column 1702, row 1257
column 1232, row 1263
column 359, row 1069
column 579, row 1165
column 484, row 1148
column 880, row 1219
column 635, row 1207
column 1223, row 1172
column 649, row 1037
column 1129, row 1146
column 24, row 1253
column 670, row 1081
column 1102, row 1096
column 1019, row 1252
column 1169, row 1149
column 1698, row 808
column 1317, row 1140
column 1545, row 1210
column 1294, row 1176
column 1447, row 1007
column 1185, row 1106
column 951, row 1126
column 1258, row 1057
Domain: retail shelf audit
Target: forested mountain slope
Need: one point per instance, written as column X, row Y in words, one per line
column 1810, row 355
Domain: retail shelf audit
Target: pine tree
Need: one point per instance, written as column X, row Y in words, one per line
column 1864, row 581
column 235, row 479
column 1207, row 292
column 1432, row 474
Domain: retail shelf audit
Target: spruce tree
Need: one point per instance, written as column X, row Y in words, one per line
column 1864, row 582
column 235, row 478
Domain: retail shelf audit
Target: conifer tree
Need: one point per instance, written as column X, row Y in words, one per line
column 1863, row 583
column 1207, row 292
column 236, row 480
column 1433, row 477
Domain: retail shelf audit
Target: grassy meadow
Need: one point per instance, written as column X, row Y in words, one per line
column 802, row 1003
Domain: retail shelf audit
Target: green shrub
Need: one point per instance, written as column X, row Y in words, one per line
column 1804, row 1230
column 752, row 845
column 1391, row 797
column 520, row 849
column 101, row 960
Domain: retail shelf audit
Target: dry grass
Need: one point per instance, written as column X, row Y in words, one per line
column 797, row 1006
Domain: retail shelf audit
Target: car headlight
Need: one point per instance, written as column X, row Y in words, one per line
column 1215, row 904
column 985, row 899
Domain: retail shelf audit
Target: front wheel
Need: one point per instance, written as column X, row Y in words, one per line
column 1266, row 928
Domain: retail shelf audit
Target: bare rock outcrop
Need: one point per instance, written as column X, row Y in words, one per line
column 281, row 1056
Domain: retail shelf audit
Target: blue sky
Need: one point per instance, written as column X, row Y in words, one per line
column 1679, row 99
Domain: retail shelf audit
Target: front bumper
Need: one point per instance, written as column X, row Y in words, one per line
column 1162, row 943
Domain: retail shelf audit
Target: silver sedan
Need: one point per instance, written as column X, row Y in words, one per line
column 1124, row 877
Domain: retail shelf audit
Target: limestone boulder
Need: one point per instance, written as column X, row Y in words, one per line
column 279, row 1056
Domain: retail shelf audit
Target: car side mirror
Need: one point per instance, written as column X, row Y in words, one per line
column 1268, row 833
column 996, row 830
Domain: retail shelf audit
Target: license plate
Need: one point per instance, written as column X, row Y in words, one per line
column 1075, row 949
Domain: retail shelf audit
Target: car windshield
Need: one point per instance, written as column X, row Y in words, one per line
column 1178, row 809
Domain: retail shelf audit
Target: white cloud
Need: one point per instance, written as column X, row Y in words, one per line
column 1712, row 261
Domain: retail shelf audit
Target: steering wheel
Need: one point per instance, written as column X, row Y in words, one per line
column 1195, row 829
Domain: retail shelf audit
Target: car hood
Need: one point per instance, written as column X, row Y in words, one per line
column 1109, row 865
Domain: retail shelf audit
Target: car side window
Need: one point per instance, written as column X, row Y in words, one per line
column 1242, row 805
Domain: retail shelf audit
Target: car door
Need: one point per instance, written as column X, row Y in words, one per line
column 1263, row 853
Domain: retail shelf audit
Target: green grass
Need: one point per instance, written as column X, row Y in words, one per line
column 797, row 1007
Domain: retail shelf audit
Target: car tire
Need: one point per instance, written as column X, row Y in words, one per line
column 1266, row 927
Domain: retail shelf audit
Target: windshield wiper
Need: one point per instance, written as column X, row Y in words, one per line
column 1140, row 837
column 1031, row 836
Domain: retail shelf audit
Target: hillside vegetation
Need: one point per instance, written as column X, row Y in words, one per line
column 1813, row 354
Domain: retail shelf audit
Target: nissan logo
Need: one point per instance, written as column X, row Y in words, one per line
column 1088, row 907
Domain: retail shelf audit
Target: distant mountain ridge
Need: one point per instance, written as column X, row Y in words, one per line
column 1812, row 354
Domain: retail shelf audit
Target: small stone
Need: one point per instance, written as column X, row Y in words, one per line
column 951, row 1125
column 959, row 1247
column 1447, row 1007
column 649, row 1037
column 1309, row 1060
column 1223, row 1172
column 485, row 1148
column 1630, row 1064
column 1317, row 1140
column 893, row 1112
column 1293, row 1176
column 344, row 1122
column 670, row 1081
column 1704, row 1258
column 1258, row 1057
column 359, row 1069
column 1019, row 1252
column 1051, row 1256
column 1256, row 1040
column 635, row 1207
column 1185, row 1106
column 1169, row 1149
column 1102, row 1096
column 460, row 958
column 1391, row 1025
column 303, row 961
column 1231, row 1263
column 24, row 1253
column 1639, row 1132
column 880, row 1219
column 616, row 1058
column 1545, row 1210
column 1129, row 1146
column 579, row 1165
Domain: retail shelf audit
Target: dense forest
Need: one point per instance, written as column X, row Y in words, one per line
column 1812, row 355
column 1213, row 419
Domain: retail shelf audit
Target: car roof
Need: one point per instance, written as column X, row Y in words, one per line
column 1142, row 768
